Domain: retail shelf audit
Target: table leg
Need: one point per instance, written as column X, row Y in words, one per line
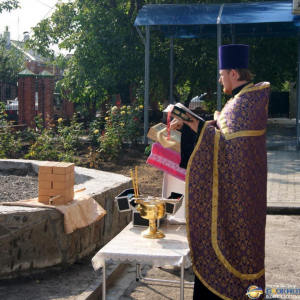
column 181, row 282
column 138, row 272
column 104, row 282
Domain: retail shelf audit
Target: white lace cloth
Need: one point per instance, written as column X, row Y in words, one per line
column 129, row 245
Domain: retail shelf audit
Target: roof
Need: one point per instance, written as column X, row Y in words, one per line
column 26, row 73
column 242, row 19
column 29, row 54
column 46, row 74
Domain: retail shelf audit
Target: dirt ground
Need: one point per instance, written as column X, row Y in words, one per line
column 149, row 178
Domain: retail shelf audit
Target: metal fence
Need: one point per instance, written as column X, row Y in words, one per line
column 9, row 93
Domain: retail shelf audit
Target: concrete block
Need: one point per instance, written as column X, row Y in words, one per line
column 62, row 238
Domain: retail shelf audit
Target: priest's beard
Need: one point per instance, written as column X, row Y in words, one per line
column 227, row 90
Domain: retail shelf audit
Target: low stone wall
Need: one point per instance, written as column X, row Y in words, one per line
column 34, row 238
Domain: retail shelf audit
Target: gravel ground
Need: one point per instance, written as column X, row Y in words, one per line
column 16, row 185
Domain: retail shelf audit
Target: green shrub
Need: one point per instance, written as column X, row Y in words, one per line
column 10, row 142
column 147, row 150
column 44, row 148
column 70, row 135
column 30, row 135
column 94, row 131
column 110, row 141
column 132, row 120
column 56, row 146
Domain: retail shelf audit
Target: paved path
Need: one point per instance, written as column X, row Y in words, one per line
column 283, row 167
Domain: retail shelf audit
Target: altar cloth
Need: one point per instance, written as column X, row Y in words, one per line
column 167, row 160
column 79, row 213
column 129, row 246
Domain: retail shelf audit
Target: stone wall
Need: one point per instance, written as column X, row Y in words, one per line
column 33, row 238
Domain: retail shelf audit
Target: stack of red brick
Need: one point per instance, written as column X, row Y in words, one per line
column 56, row 183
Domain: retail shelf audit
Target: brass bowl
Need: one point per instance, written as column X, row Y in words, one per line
column 152, row 211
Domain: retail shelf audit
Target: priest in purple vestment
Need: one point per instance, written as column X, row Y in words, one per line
column 226, row 186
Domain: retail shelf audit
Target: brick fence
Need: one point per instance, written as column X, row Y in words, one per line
column 41, row 86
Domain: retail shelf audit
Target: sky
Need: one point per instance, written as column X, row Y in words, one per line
column 26, row 17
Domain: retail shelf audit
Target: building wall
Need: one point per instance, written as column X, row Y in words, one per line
column 38, row 67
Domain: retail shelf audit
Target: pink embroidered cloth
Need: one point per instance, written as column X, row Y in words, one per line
column 166, row 160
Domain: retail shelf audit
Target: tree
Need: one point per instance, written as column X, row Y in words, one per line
column 109, row 56
column 9, row 5
column 10, row 60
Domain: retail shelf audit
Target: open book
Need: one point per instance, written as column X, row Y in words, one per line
column 179, row 110
column 161, row 127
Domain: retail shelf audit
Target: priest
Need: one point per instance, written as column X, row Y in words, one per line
column 226, row 186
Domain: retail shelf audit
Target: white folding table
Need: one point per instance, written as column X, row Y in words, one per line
column 130, row 246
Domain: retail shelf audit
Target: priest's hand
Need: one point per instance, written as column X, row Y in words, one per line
column 193, row 123
column 176, row 124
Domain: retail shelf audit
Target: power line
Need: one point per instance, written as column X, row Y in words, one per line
column 49, row 10
column 43, row 3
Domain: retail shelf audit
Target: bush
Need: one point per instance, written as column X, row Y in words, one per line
column 10, row 142
column 60, row 146
column 45, row 147
column 132, row 120
column 70, row 135
column 122, row 125
column 94, row 131
column 147, row 150
column 30, row 135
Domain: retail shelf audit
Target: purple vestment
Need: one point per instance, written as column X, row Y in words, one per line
column 226, row 196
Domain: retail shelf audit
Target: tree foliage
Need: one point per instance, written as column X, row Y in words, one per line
column 8, row 5
column 11, row 61
column 108, row 55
